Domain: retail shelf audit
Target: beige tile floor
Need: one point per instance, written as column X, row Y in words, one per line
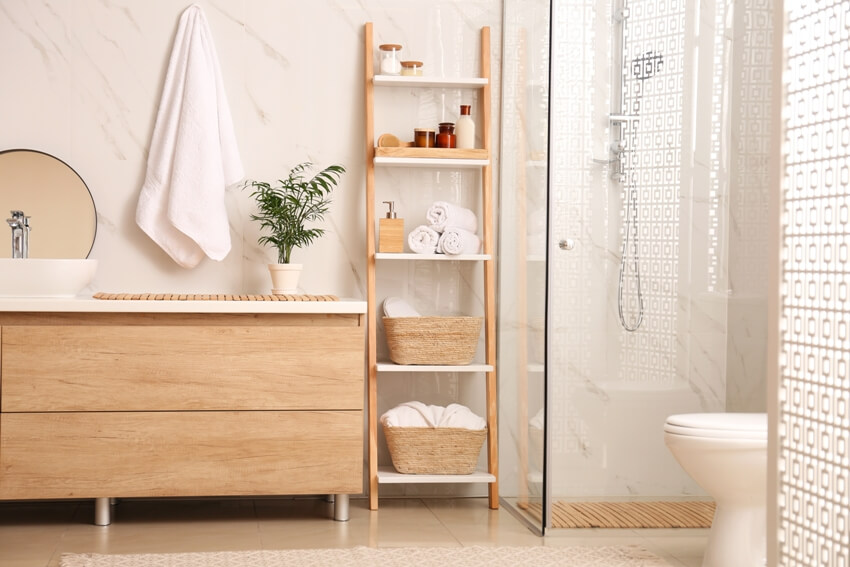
column 35, row 534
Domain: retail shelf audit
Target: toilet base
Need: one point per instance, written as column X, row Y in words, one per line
column 738, row 537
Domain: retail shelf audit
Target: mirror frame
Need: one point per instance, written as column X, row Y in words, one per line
column 72, row 170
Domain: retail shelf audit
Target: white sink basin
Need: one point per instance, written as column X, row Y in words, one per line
column 40, row 277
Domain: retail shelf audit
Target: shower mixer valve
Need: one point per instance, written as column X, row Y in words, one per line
column 618, row 146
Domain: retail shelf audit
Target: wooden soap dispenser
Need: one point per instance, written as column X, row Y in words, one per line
column 391, row 231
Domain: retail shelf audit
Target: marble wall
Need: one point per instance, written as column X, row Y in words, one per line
column 82, row 80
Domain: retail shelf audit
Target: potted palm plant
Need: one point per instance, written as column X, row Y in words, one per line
column 285, row 208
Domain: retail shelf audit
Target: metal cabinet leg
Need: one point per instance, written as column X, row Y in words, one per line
column 102, row 512
column 341, row 508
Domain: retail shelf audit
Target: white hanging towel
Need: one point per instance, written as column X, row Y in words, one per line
column 193, row 155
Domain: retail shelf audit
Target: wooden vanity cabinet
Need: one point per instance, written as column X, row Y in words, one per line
column 96, row 405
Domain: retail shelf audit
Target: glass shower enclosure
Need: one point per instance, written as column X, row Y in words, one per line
column 633, row 252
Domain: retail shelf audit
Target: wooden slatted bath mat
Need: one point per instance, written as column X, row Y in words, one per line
column 211, row 297
column 692, row 514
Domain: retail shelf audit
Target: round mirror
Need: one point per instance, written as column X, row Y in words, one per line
column 62, row 220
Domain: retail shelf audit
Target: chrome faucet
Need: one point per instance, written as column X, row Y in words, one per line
column 20, row 225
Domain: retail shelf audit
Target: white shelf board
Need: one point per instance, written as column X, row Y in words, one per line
column 432, row 257
column 535, row 367
column 388, row 475
column 392, row 367
column 430, row 162
column 536, row 258
column 440, row 82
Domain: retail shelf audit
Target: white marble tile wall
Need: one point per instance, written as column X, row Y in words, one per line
column 83, row 78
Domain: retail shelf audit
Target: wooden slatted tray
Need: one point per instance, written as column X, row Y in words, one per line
column 210, row 297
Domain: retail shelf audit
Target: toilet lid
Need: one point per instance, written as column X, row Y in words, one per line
column 719, row 425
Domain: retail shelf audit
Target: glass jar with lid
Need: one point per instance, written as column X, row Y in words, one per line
column 390, row 58
column 446, row 137
column 424, row 138
column 411, row 68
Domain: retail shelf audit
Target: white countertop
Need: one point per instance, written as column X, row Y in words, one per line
column 87, row 304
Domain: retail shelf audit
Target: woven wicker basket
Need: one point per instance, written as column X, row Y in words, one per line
column 434, row 450
column 432, row 340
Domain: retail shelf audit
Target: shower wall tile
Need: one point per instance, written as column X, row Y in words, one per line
column 746, row 367
column 749, row 245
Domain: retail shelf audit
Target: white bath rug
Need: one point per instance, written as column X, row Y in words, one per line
column 476, row 556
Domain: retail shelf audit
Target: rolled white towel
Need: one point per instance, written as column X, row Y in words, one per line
column 442, row 215
column 397, row 307
column 423, row 240
column 459, row 241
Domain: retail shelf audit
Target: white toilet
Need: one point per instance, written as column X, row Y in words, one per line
column 726, row 454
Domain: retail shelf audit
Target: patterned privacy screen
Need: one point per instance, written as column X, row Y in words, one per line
column 814, row 391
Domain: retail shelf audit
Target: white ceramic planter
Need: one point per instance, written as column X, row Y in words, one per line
column 285, row 277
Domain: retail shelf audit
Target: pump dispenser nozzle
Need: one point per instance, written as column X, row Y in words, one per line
column 391, row 214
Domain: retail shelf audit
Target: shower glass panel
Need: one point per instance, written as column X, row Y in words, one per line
column 522, row 256
column 650, row 282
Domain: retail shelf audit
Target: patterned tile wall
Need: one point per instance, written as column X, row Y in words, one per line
column 814, row 389
column 653, row 90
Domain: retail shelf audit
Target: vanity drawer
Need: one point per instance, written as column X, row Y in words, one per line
column 149, row 454
column 45, row 368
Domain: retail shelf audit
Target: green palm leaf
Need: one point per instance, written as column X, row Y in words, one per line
column 285, row 208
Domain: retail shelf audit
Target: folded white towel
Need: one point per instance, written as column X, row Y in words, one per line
column 458, row 416
column 193, row 155
column 397, row 307
column 417, row 414
column 442, row 215
column 459, row 241
column 423, row 240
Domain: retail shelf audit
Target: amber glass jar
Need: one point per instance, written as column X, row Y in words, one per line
column 424, row 138
column 446, row 136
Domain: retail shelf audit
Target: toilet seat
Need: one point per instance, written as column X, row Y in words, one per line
column 718, row 425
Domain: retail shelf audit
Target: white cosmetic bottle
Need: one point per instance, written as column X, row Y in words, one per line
column 465, row 128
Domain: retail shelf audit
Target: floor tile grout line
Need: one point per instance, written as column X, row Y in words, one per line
column 57, row 552
column 441, row 522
